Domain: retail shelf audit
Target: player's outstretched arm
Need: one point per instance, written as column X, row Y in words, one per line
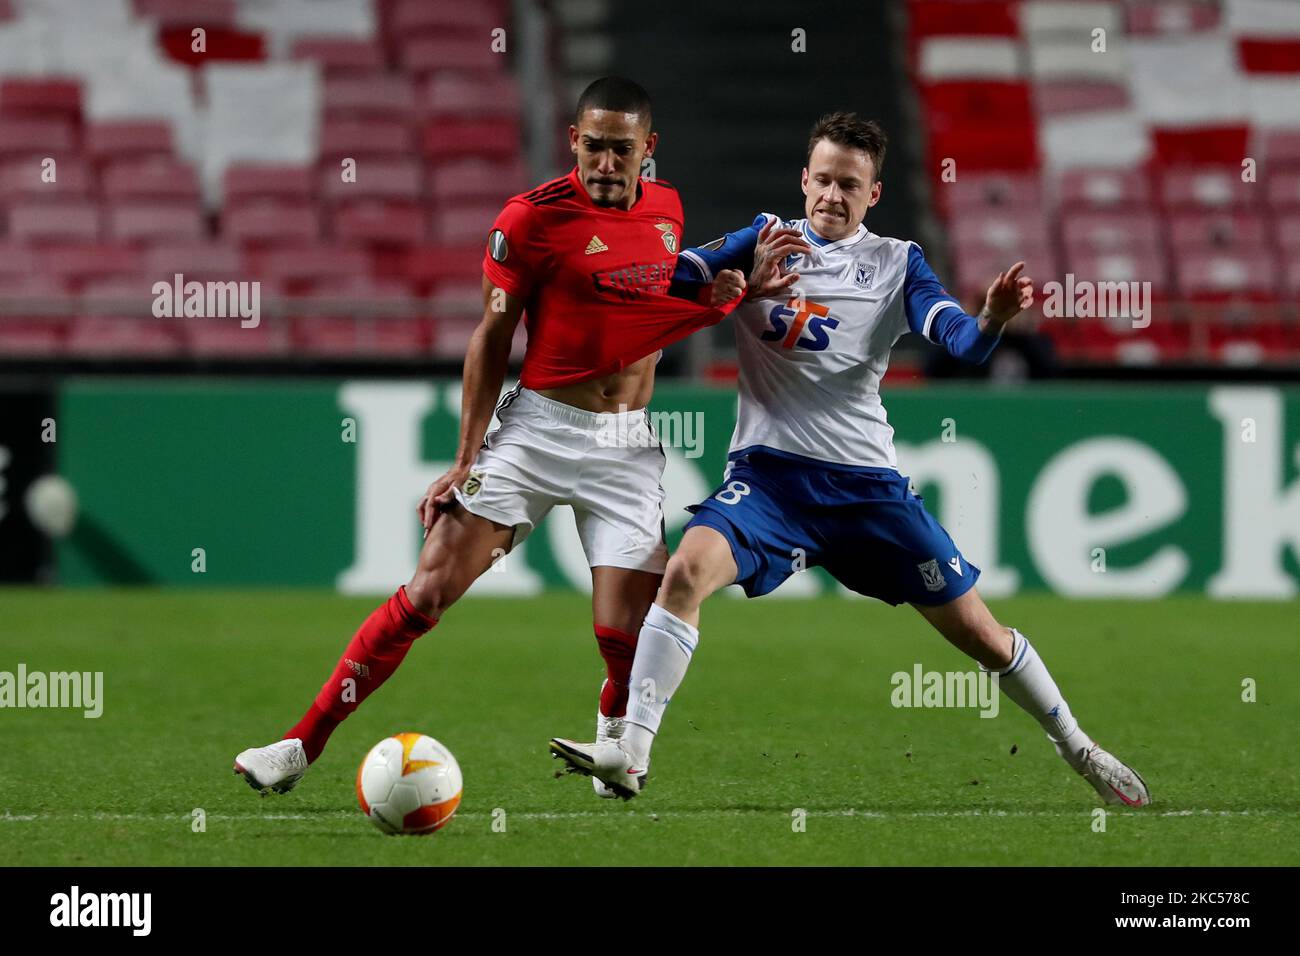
column 486, row 362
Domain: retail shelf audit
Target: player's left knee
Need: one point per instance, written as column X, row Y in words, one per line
column 996, row 643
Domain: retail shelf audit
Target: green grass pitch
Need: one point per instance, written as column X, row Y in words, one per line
column 787, row 707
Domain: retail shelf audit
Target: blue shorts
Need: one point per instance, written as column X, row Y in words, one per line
column 865, row 526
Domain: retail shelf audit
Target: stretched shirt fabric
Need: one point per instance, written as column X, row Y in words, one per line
column 594, row 280
column 811, row 360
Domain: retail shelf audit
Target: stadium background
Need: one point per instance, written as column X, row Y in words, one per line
column 1139, row 141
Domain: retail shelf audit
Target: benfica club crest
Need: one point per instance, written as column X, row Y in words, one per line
column 670, row 240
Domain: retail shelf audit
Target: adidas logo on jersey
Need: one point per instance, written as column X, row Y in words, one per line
column 596, row 246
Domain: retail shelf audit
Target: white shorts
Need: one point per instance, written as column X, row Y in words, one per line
column 606, row 465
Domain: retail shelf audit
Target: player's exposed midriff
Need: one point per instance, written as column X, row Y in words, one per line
column 626, row 390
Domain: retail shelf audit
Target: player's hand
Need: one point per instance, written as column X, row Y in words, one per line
column 766, row 278
column 441, row 493
column 728, row 284
column 1008, row 296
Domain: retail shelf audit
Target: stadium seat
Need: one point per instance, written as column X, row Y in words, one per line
column 197, row 261
column 55, row 137
column 113, row 141
column 493, row 139
column 227, row 338
column 116, row 336
column 474, row 180
column 301, row 269
column 1283, row 190
column 154, row 221
column 1207, row 187
column 188, row 13
column 430, row 266
column 22, row 178
column 53, row 219
column 370, row 96
column 1288, row 231
column 154, row 178
column 271, row 222
column 74, row 264
column 1080, row 96
column 1221, row 272
column 968, row 57
column 453, row 94
column 375, row 222
column 1009, row 230
column 987, row 190
column 340, row 56
column 391, row 179
column 439, row 17
column 246, row 182
column 1153, row 18
column 464, row 224
column 1239, row 230
column 45, row 97
column 423, row 54
column 1121, row 188
column 389, row 139
column 348, row 338
column 1091, row 230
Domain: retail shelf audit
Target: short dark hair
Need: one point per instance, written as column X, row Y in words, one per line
column 851, row 130
column 614, row 93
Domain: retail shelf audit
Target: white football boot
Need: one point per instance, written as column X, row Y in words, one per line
column 278, row 766
column 606, row 761
column 1114, row 780
column 607, row 729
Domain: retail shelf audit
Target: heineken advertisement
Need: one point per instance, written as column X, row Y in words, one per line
column 1083, row 491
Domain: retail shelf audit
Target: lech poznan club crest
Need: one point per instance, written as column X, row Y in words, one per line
column 670, row 240
column 933, row 577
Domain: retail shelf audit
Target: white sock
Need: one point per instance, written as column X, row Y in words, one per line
column 663, row 652
column 1027, row 682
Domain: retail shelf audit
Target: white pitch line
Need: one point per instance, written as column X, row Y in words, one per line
column 652, row 814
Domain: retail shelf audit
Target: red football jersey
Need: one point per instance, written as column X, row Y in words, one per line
column 594, row 280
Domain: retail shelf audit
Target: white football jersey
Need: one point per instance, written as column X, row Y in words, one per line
column 811, row 361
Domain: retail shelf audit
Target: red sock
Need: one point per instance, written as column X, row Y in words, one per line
column 618, row 648
column 370, row 659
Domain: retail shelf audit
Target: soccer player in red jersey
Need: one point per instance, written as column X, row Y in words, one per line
column 588, row 259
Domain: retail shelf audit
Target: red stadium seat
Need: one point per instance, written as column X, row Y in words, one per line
column 198, row 261
column 32, row 337
column 382, row 96
column 969, row 104
column 1206, row 186
column 1202, row 145
column 439, row 17
column 1008, row 230
column 1283, row 190
column 53, row 220
column 466, row 224
column 125, row 139
column 409, row 338
column 1075, row 96
column 1288, row 231
column 375, row 222
column 477, row 180
column 54, row 137
column 340, row 55
column 497, row 140
column 1200, row 229
column 46, row 97
column 458, row 95
column 150, row 178
column 1133, row 265
column 17, row 261
column 269, row 222
column 1098, row 230
column 423, row 54
column 363, row 138
column 1280, row 148
column 980, row 191
column 963, row 18
column 22, row 178
column 1165, row 17
column 113, row 336
column 430, row 266
column 1104, row 187
column 1223, row 273
column 154, row 221
column 227, row 338
column 391, row 179
column 300, row 269
column 75, row 264
column 245, row 182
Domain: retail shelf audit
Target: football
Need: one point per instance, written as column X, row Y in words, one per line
column 409, row 784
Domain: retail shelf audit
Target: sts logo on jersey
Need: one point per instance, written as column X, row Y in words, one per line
column 800, row 324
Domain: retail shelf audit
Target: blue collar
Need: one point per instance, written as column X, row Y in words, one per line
column 816, row 239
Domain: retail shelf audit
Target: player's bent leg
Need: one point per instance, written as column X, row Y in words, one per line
column 664, row 647
column 967, row 624
column 619, row 600
column 460, row 547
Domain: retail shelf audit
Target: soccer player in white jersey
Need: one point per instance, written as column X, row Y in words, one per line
column 812, row 470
